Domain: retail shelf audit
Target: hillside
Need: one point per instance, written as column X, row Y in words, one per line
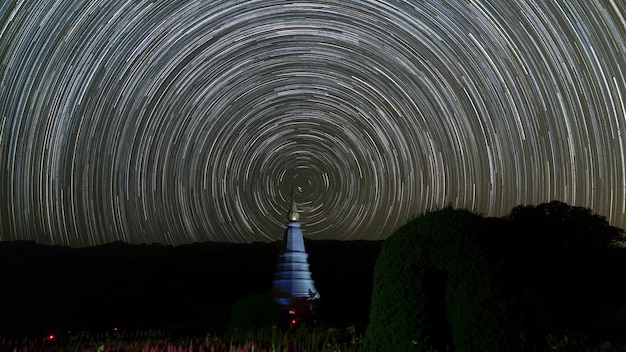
column 182, row 289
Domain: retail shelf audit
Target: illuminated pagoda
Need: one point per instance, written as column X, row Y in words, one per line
column 293, row 288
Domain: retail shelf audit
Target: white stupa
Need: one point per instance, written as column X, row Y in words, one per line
column 293, row 288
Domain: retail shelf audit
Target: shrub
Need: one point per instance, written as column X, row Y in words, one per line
column 437, row 285
column 255, row 312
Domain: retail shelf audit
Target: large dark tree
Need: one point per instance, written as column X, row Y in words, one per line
column 563, row 256
column 557, row 226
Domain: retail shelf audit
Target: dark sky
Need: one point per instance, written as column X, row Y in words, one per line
column 187, row 121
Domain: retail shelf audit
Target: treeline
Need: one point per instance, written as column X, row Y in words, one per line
column 188, row 289
column 455, row 280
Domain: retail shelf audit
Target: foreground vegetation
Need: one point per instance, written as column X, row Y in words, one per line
column 271, row 340
column 455, row 280
column 301, row 340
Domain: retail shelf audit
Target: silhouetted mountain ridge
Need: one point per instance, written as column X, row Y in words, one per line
column 186, row 287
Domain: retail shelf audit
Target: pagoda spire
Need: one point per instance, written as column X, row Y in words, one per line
column 293, row 215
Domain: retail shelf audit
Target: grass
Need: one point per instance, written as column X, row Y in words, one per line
column 304, row 339
column 274, row 340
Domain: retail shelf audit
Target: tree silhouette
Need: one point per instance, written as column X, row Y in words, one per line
column 451, row 279
column 561, row 253
column 557, row 226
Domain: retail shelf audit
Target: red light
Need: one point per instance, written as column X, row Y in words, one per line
column 50, row 337
column 293, row 321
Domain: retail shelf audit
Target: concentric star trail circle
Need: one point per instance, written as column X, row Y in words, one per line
column 191, row 121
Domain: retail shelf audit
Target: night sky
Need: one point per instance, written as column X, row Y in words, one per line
column 190, row 121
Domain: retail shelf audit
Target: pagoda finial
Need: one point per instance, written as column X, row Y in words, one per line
column 293, row 212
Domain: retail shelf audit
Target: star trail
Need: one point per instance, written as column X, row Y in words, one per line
column 190, row 121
